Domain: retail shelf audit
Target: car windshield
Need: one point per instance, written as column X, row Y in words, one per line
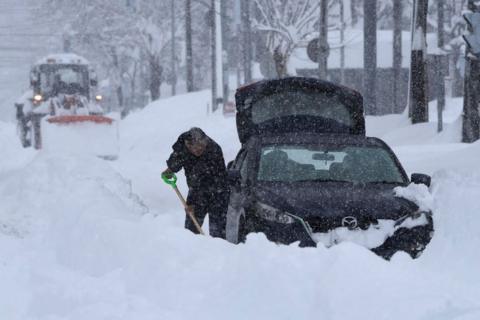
column 287, row 103
column 68, row 79
column 354, row 164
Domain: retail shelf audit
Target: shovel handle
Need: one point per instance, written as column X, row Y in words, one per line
column 190, row 213
column 171, row 180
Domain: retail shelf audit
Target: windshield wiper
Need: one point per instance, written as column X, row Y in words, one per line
column 324, row 180
column 384, row 182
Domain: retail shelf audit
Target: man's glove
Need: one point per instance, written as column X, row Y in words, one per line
column 189, row 209
column 168, row 174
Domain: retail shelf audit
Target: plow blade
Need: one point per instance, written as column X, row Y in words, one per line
column 86, row 134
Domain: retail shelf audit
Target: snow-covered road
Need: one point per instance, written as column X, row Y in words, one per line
column 76, row 241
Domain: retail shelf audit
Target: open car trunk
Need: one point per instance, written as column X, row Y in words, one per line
column 298, row 105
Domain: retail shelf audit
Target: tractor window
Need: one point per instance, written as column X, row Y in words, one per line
column 66, row 79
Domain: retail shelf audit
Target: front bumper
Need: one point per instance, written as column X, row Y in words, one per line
column 409, row 233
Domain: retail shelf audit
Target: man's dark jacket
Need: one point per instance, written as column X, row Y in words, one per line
column 207, row 172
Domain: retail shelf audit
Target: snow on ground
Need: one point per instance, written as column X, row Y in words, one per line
column 78, row 242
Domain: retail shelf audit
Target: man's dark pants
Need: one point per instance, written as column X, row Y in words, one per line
column 215, row 203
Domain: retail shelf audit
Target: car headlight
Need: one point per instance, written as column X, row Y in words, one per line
column 417, row 218
column 98, row 97
column 272, row 214
column 37, row 98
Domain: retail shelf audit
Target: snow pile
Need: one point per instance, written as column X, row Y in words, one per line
column 86, row 138
column 58, row 189
column 397, row 129
column 63, row 58
column 370, row 238
column 418, row 194
column 13, row 155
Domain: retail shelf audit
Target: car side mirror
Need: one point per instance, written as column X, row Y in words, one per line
column 234, row 177
column 419, row 178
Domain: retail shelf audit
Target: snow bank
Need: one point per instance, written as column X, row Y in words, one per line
column 397, row 129
column 13, row 155
column 56, row 188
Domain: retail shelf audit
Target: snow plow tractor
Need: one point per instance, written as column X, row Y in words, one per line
column 62, row 109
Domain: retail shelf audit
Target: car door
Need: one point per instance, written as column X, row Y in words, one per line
column 238, row 195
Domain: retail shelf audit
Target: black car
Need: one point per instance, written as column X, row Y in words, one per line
column 314, row 184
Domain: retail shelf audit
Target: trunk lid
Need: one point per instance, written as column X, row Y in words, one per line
column 298, row 105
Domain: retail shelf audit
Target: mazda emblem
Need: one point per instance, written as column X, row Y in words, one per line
column 350, row 222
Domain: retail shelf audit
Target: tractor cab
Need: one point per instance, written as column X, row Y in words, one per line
column 63, row 75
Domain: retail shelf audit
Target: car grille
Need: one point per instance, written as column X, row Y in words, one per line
column 324, row 224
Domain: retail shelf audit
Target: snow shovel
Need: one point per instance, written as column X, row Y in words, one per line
column 172, row 181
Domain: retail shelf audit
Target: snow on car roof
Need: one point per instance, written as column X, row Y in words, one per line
column 63, row 58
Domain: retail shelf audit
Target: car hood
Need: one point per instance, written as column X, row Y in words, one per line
column 336, row 200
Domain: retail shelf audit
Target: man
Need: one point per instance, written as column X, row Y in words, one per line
column 202, row 160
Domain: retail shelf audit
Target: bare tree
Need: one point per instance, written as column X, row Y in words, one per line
column 285, row 23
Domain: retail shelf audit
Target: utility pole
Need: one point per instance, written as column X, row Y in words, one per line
column 370, row 55
column 418, row 104
column 440, row 63
column 471, row 117
column 397, row 53
column 238, row 43
column 188, row 45
column 213, row 53
column 174, row 64
column 342, row 41
column 216, row 54
column 323, row 50
column 225, row 44
column 246, row 40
